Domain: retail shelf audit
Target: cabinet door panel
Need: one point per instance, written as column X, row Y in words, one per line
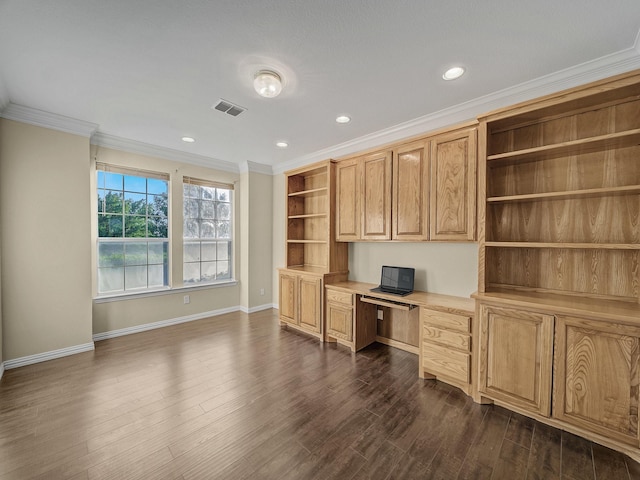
column 348, row 200
column 410, row 209
column 311, row 303
column 516, row 349
column 376, row 197
column 340, row 321
column 453, row 186
column 598, row 377
column 288, row 298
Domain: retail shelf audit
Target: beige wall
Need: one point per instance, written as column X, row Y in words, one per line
column 260, row 239
column 45, row 212
column 278, row 248
column 132, row 312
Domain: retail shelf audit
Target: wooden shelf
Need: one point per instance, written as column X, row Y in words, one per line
column 570, row 194
column 584, row 246
column 310, row 193
column 308, row 215
column 308, row 241
column 587, row 145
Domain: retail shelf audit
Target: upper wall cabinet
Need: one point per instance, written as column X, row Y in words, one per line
column 453, row 186
column 363, row 198
column 410, row 206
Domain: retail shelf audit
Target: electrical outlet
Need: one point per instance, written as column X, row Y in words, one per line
column 262, row 291
column 380, row 315
column 187, row 299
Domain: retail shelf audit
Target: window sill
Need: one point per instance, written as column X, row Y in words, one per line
column 165, row 291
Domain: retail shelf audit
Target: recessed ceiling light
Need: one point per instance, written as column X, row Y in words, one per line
column 343, row 119
column 282, row 144
column 188, row 139
column 453, row 73
column 267, row 83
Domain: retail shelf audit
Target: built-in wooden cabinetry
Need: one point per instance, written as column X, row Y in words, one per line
column 313, row 256
column 559, row 276
column 391, row 194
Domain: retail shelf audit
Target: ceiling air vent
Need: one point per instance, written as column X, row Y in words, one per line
column 229, row 108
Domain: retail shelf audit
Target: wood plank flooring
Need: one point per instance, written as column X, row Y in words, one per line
column 237, row 397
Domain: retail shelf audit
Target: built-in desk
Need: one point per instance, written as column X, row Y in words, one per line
column 436, row 327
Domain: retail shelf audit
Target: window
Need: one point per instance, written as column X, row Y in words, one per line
column 207, row 231
column 133, row 242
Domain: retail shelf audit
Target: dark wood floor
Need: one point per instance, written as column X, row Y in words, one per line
column 236, row 397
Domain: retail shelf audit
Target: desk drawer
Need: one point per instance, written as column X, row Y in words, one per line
column 457, row 340
column 450, row 321
column 337, row 296
column 439, row 360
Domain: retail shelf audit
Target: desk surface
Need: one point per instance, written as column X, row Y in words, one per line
column 434, row 301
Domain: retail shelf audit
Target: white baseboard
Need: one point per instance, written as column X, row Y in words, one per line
column 162, row 323
column 43, row 357
column 259, row 308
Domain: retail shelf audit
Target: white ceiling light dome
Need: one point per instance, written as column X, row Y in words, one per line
column 267, row 83
column 453, row 73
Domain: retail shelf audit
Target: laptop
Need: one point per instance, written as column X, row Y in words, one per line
column 396, row 280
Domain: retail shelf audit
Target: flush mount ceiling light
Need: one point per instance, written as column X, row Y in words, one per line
column 282, row 144
column 188, row 139
column 453, row 73
column 267, row 83
column 343, row 119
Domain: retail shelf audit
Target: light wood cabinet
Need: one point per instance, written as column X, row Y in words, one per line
column 363, row 198
column 350, row 322
column 453, row 186
column 516, row 357
column 310, row 301
column 445, row 347
column 410, row 206
column 288, row 288
column 597, row 376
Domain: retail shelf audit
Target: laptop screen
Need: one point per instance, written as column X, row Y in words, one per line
column 397, row 278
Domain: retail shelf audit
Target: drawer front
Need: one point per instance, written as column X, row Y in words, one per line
column 457, row 340
column 336, row 296
column 340, row 321
column 450, row 321
column 444, row 361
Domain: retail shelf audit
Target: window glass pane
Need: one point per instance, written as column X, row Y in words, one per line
column 191, row 251
column 190, row 190
column 135, row 203
column 223, row 211
column 222, row 270
column 208, row 271
column 191, row 228
column 158, row 205
column 113, row 180
column 223, row 195
column 208, row 251
column 135, row 277
column 110, row 254
column 135, row 226
column 113, row 202
column 191, row 272
column 223, row 229
column 101, row 194
column 191, row 209
column 100, row 183
column 135, row 253
column 135, row 184
column 156, row 186
column 208, row 193
column 207, row 229
column 110, row 225
column 207, row 209
column 223, row 250
column 157, row 252
column 110, row 279
column 156, row 276
column 158, row 227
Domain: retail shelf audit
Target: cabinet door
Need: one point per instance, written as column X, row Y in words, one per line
column 410, row 209
column 288, row 297
column 310, row 303
column 597, row 377
column 516, row 349
column 453, row 186
column 340, row 321
column 376, row 197
column 348, row 200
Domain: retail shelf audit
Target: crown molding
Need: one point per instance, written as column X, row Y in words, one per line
column 256, row 168
column 40, row 118
column 132, row 146
column 591, row 71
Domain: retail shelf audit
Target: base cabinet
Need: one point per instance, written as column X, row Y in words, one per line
column 516, row 357
column 598, row 376
column 301, row 301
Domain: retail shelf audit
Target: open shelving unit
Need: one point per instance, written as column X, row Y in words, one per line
column 560, row 196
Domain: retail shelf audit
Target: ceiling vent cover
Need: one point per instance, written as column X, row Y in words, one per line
column 229, row 108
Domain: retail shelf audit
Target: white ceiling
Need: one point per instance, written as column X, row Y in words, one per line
column 150, row 70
